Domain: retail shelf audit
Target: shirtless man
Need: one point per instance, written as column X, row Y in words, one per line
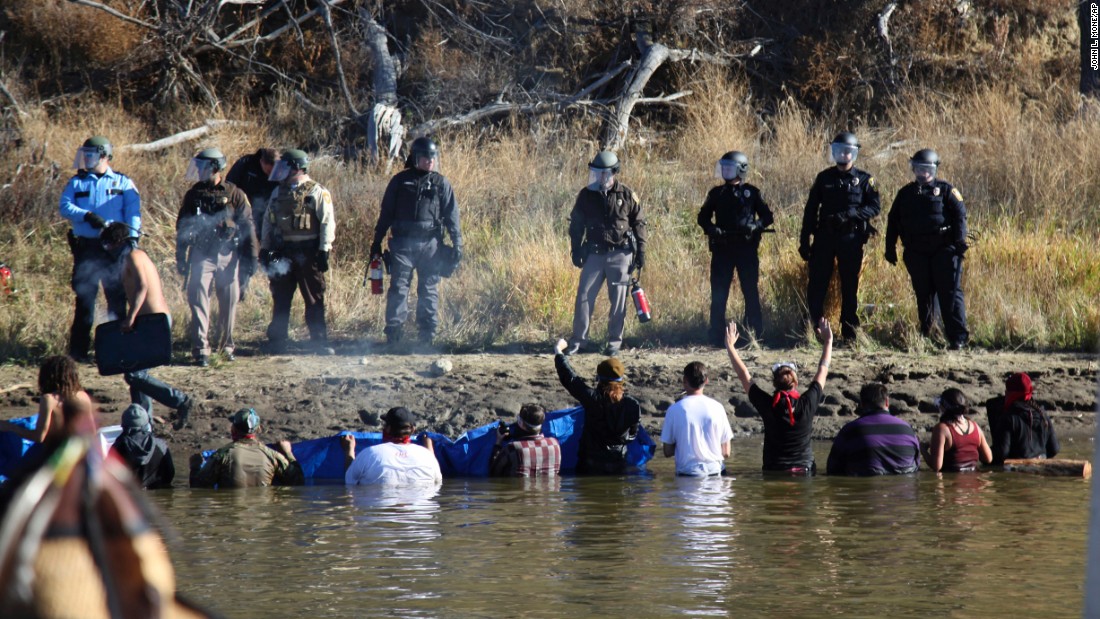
column 144, row 295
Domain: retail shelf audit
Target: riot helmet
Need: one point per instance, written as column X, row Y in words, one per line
column 204, row 165
column 291, row 161
column 602, row 170
column 89, row 155
column 732, row 165
column 924, row 164
column 426, row 148
column 844, row 149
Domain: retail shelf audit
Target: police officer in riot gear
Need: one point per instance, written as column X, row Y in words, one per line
column 298, row 236
column 842, row 203
column 607, row 237
column 215, row 241
column 733, row 217
column 930, row 218
column 93, row 198
column 418, row 207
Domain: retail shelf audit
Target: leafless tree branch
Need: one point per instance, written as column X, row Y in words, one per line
column 124, row 17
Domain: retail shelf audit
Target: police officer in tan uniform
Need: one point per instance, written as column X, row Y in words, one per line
column 297, row 239
column 215, row 241
column 607, row 235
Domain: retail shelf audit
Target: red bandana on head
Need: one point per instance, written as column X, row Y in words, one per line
column 789, row 397
column 1017, row 387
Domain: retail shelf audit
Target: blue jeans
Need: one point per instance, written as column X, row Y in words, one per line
column 144, row 389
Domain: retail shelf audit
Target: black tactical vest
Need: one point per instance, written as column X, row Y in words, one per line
column 419, row 206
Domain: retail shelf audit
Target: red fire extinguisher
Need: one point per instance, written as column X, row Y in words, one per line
column 641, row 304
column 376, row 275
column 7, row 280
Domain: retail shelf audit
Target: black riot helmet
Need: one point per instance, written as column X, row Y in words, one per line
column 844, row 149
column 734, row 164
column 845, row 137
column 423, row 147
column 925, row 156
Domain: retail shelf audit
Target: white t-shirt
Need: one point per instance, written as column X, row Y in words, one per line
column 698, row 426
column 393, row 463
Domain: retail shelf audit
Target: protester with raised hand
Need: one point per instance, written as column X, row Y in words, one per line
column 788, row 415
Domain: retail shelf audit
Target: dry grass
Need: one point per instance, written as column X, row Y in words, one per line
column 1032, row 281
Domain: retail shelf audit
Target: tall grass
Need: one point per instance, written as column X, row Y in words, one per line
column 1032, row 280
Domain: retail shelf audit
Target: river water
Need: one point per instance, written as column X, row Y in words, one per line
column 962, row 545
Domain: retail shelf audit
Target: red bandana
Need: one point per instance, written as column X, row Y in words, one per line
column 401, row 440
column 1017, row 387
column 789, row 397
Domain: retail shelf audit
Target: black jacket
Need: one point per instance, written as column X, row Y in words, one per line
column 603, row 220
column 608, row 426
column 927, row 218
column 735, row 210
column 247, row 174
column 840, row 207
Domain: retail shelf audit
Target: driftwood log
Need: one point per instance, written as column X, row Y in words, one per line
column 1052, row 468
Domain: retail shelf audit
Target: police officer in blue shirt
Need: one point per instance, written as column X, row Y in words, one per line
column 93, row 198
column 929, row 217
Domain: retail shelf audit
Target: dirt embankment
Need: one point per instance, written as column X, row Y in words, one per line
column 304, row 397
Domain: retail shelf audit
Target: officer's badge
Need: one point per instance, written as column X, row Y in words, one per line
column 936, row 191
column 620, row 201
column 958, row 196
column 747, row 193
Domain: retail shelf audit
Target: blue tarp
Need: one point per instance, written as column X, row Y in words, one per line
column 12, row 447
column 322, row 459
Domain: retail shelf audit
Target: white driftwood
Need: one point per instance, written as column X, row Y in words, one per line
column 184, row 136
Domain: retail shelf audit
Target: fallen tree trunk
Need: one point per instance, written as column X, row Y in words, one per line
column 184, row 136
column 1051, row 468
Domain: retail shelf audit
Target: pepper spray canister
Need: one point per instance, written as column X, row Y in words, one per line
column 641, row 304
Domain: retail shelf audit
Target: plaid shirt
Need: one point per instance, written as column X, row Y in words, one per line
column 535, row 456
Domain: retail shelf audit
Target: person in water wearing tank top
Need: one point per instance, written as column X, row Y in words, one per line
column 958, row 444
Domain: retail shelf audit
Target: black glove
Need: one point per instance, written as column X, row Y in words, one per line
column 716, row 232
column 892, row 255
column 376, row 249
column 458, row 256
column 267, row 257
column 94, row 220
column 961, row 247
column 578, row 259
column 804, row 252
column 322, row 261
column 639, row 259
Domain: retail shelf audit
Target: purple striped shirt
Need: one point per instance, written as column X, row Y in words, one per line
column 875, row 444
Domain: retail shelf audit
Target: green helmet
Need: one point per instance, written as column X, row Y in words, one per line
column 605, row 160
column 100, row 142
column 214, row 155
column 296, row 159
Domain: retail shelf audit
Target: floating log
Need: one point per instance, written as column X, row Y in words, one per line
column 1053, row 468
